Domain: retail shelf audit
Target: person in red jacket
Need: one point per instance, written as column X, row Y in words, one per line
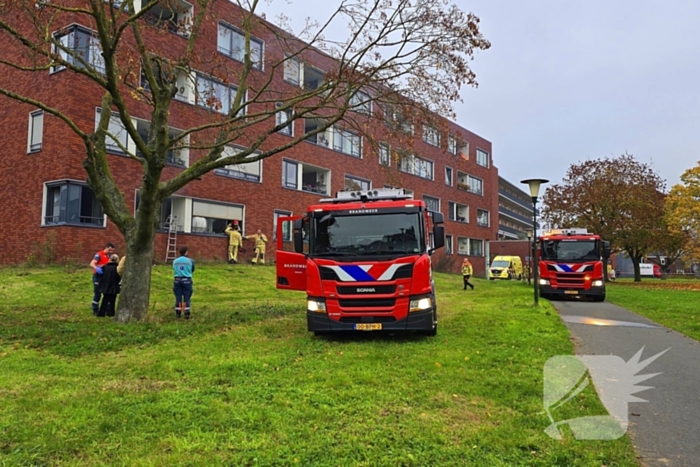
column 100, row 259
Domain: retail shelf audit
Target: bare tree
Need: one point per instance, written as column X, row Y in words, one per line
column 408, row 57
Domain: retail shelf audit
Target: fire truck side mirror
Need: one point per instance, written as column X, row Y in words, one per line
column 606, row 249
column 438, row 218
column 438, row 237
column 299, row 236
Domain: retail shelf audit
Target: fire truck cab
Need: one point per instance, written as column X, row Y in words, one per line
column 363, row 259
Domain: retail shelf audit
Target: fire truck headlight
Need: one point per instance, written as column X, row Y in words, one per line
column 420, row 304
column 316, row 306
column 597, row 283
column 544, row 281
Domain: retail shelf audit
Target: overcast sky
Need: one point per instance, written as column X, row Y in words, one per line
column 566, row 81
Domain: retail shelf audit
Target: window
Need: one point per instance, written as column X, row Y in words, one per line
column 433, row 204
column 482, row 158
column 286, row 227
column 458, row 212
column 448, row 176
column 416, row 166
column 293, row 71
column 215, row 95
column 482, row 217
column 72, row 203
column 232, row 43
column 174, row 15
column 36, row 130
column 431, row 136
column 394, row 119
column 347, row 142
column 452, row 144
column 476, row 185
column 212, row 218
column 282, row 117
column 79, row 47
column 177, row 156
column 384, row 155
column 250, row 171
column 289, row 174
column 462, row 246
column 448, row 244
column 117, row 134
column 305, row 177
column 476, row 247
column 355, row 184
column 361, row 102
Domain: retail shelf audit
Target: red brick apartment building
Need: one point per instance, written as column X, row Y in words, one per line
column 47, row 208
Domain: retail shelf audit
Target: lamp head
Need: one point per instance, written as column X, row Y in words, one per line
column 534, row 184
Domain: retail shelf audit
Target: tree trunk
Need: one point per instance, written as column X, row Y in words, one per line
column 635, row 264
column 136, row 283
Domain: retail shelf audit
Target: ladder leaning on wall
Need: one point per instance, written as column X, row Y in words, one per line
column 171, row 250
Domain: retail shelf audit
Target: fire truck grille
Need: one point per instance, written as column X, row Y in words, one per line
column 570, row 279
column 367, row 302
column 367, row 319
column 366, row 290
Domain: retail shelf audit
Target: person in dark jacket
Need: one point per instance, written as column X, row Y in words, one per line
column 109, row 287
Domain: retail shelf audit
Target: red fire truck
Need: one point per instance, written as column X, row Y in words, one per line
column 571, row 264
column 363, row 259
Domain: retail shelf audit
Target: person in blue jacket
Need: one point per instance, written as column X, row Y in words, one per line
column 183, row 267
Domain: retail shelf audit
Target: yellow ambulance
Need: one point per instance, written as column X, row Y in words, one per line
column 506, row 267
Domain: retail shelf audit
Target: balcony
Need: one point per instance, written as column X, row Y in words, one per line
column 513, row 215
column 525, row 204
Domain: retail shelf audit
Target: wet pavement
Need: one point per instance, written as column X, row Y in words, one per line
column 665, row 430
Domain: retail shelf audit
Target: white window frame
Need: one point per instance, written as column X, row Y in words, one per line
column 460, row 242
column 358, row 180
column 449, row 245
column 488, row 218
column 94, row 50
column 111, row 145
column 212, row 82
column 474, row 241
column 238, row 171
column 432, row 198
column 431, row 136
column 481, row 185
column 343, row 138
column 449, row 176
column 482, row 158
column 191, row 204
column 284, row 116
column 361, row 102
column 384, row 155
column 35, row 136
column 452, row 144
column 235, row 48
column 416, row 166
column 289, row 71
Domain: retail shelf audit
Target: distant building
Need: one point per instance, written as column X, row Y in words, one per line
column 514, row 211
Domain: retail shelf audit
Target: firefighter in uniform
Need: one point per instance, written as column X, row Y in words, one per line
column 260, row 241
column 234, row 242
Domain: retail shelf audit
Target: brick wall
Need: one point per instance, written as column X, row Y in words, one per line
column 23, row 175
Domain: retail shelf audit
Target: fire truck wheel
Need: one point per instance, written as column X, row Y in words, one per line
column 599, row 298
column 320, row 333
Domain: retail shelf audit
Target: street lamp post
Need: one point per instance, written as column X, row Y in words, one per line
column 534, row 184
column 528, row 232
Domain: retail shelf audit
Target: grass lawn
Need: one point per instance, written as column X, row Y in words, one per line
column 244, row 384
column 673, row 303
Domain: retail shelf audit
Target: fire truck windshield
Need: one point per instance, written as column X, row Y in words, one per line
column 570, row 250
column 383, row 234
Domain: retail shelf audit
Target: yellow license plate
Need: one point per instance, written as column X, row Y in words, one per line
column 368, row 326
column 571, row 292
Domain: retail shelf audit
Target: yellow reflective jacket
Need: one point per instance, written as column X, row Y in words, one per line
column 467, row 269
column 260, row 240
column 234, row 236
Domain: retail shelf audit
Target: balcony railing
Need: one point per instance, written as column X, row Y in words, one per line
column 466, row 187
column 516, row 200
column 516, row 216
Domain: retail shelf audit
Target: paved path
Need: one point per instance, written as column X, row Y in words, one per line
column 666, row 430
